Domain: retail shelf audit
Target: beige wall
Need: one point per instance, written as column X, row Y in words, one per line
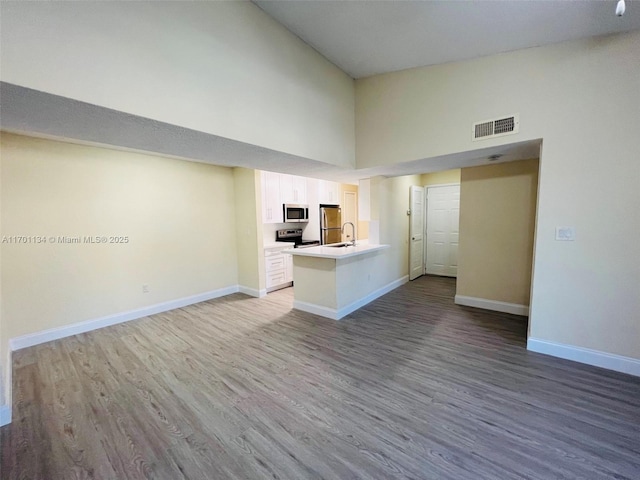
column 224, row 68
column 392, row 206
column 363, row 229
column 581, row 98
column 497, row 224
column 248, row 213
column 440, row 178
column 339, row 290
column 388, row 204
column 179, row 218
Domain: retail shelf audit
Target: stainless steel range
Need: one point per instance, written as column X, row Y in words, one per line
column 294, row 236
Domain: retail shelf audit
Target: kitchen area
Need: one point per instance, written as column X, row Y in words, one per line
column 310, row 242
column 291, row 216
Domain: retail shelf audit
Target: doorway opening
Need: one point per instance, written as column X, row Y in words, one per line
column 350, row 214
column 490, row 251
column 442, row 230
column 434, row 226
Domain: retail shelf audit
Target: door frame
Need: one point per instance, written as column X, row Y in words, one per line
column 411, row 232
column 426, row 218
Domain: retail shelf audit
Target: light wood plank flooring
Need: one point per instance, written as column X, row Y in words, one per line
column 411, row 386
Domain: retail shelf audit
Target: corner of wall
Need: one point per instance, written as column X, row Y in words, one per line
column 257, row 187
column 5, row 363
column 248, row 232
column 5, row 388
column 5, row 415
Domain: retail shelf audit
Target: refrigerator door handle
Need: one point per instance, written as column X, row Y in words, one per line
column 323, row 226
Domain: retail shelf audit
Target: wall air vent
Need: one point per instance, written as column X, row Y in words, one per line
column 496, row 127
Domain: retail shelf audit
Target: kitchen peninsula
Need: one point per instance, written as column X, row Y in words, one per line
column 335, row 281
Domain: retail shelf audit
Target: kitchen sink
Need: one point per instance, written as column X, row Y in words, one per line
column 338, row 245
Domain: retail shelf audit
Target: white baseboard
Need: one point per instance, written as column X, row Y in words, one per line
column 319, row 310
column 5, row 415
column 495, row 305
column 44, row 336
column 252, row 292
column 596, row 358
column 337, row 314
column 352, row 307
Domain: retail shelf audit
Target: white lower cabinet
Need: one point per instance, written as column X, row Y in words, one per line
column 275, row 262
column 279, row 268
column 276, row 280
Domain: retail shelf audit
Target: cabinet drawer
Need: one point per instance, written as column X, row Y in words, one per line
column 274, row 263
column 275, row 278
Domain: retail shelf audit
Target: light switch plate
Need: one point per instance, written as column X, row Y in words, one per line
column 565, row 234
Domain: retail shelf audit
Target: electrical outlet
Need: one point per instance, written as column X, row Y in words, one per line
column 145, row 288
column 565, row 234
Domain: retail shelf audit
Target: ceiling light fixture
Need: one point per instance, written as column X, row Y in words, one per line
column 620, row 8
column 493, row 158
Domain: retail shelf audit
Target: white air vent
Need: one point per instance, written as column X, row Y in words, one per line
column 496, row 127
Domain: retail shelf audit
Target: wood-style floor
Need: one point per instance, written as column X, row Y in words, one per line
column 411, row 386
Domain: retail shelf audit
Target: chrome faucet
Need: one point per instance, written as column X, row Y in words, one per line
column 353, row 230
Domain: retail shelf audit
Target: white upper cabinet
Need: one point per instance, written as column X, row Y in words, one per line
column 328, row 192
column 280, row 188
column 300, row 190
column 271, row 202
column 293, row 189
column 286, row 188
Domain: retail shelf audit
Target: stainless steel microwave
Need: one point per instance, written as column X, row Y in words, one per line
column 295, row 213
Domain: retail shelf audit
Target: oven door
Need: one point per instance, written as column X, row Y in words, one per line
column 295, row 213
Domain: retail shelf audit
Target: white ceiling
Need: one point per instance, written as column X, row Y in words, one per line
column 367, row 37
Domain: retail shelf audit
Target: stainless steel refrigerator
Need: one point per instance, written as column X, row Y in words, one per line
column 330, row 224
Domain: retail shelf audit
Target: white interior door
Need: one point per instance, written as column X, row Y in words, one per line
column 416, row 232
column 349, row 214
column 443, row 213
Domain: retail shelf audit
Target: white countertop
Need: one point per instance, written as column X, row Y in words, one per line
column 335, row 253
column 268, row 245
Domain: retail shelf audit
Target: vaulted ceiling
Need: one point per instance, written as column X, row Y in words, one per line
column 363, row 38
column 368, row 37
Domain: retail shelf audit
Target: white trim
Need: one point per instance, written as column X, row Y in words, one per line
column 44, row 336
column 326, row 312
column 436, row 185
column 337, row 314
column 5, row 415
column 585, row 355
column 252, row 292
column 495, row 305
column 280, row 286
column 352, row 307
